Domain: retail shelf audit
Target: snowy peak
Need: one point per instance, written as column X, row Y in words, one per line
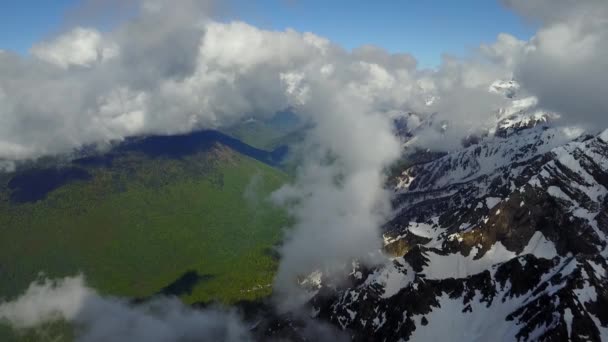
column 502, row 240
column 508, row 89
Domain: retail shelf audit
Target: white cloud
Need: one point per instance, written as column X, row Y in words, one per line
column 171, row 69
column 339, row 195
column 565, row 63
column 98, row 318
column 294, row 87
column 79, row 47
column 506, row 50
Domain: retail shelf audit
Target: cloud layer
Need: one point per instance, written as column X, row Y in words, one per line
column 172, row 69
column 96, row 318
column 565, row 64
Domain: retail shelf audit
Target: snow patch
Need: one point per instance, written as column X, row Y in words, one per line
column 604, row 136
column 491, row 202
column 460, row 266
column 540, row 247
column 568, row 318
column 449, row 322
column 395, row 276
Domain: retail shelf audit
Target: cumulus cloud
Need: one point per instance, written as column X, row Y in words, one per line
column 338, row 199
column 79, row 47
column 565, row 63
column 562, row 68
column 505, row 51
column 172, row 69
column 97, row 318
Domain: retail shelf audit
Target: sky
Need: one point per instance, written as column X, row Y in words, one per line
column 426, row 29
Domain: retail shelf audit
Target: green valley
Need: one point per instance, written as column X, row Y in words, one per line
column 139, row 225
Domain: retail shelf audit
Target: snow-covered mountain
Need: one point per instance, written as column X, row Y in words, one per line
column 505, row 240
column 502, row 240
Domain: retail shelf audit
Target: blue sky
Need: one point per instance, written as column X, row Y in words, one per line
column 23, row 22
column 424, row 28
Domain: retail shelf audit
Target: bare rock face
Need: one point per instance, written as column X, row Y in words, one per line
column 505, row 239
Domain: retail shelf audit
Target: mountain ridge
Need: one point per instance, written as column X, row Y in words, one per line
column 504, row 238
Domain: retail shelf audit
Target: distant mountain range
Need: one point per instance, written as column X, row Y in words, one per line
column 34, row 182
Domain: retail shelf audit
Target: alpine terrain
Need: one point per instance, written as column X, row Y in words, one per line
column 504, row 239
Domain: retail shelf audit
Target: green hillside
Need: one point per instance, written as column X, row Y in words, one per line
column 136, row 227
column 256, row 133
column 283, row 129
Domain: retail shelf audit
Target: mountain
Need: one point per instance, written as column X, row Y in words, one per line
column 282, row 129
column 180, row 215
column 504, row 239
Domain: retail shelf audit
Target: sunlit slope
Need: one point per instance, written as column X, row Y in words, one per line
column 198, row 226
column 283, row 129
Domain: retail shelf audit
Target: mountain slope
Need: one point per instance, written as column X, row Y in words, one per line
column 141, row 220
column 281, row 129
column 505, row 239
column 127, row 209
